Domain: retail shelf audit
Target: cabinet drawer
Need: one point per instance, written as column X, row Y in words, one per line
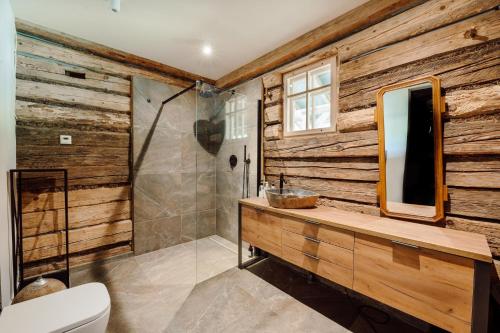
column 261, row 229
column 323, row 268
column 342, row 238
column 334, row 254
column 430, row 285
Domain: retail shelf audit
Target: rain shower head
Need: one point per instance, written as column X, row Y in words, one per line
column 207, row 90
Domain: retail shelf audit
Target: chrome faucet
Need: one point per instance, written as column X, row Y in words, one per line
column 282, row 181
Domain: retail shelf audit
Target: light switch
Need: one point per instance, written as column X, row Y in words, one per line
column 65, row 139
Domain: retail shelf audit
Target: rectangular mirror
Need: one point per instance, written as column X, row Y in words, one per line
column 410, row 150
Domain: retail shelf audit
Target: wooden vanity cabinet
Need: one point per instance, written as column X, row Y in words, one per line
column 261, row 229
column 311, row 229
column 438, row 275
column 434, row 286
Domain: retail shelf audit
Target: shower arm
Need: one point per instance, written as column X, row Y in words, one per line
column 191, row 87
column 178, row 94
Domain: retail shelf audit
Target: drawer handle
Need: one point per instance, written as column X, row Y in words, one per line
column 310, row 256
column 312, row 222
column 405, row 244
column 312, row 239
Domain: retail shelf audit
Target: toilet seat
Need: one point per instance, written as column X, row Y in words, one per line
column 62, row 311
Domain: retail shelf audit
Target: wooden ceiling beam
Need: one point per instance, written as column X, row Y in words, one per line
column 359, row 18
column 105, row 51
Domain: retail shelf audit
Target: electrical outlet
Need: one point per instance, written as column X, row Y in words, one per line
column 65, row 139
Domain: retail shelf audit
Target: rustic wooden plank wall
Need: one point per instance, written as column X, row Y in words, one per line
column 457, row 41
column 65, row 90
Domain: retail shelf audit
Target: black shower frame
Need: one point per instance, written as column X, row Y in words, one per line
column 259, row 254
column 17, row 230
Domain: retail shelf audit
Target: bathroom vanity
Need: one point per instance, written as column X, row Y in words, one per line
column 439, row 275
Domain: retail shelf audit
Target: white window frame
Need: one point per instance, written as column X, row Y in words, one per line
column 333, row 97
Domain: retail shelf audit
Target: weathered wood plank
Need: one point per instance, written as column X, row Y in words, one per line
column 473, row 102
column 273, row 114
column 363, row 171
column 448, row 38
column 273, row 132
column 413, row 22
column 474, row 203
column 326, row 173
column 489, row 229
column 274, row 95
column 345, row 163
column 472, row 138
column 67, row 160
column 70, row 117
column 359, row 18
column 31, row 46
column 350, row 206
column 53, row 220
column 55, row 93
column 75, row 172
column 49, row 252
column 410, row 23
column 52, row 71
column 69, row 150
column 475, row 179
column 272, row 80
column 44, row 185
column 49, row 136
column 89, row 175
column 75, row 260
column 356, row 144
column 334, row 189
column 473, row 164
column 359, row 120
column 62, row 161
column 474, row 171
column 467, row 66
column 57, row 239
column 106, row 52
column 55, row 200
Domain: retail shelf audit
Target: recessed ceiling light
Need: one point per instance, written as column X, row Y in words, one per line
column 207, row 50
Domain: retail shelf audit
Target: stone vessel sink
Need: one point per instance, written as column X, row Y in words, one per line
column 292, row 198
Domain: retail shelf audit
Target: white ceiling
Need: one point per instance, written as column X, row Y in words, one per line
column 174, row 31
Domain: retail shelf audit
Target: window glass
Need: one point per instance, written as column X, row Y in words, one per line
column 297, row 112
column 296, row 84
column 320, row 77
column 319, row 109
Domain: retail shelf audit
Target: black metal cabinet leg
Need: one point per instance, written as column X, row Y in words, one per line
column 481, row 297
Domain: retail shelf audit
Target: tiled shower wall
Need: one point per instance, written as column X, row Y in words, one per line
column 169, row 193
column 229, row 182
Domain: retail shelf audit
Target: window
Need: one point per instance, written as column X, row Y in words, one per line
column 236, row 117
column 308, row 105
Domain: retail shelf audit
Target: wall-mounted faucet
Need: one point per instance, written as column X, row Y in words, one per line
column 282, row 181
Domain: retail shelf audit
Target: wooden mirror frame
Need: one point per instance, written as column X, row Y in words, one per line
column 441, row 192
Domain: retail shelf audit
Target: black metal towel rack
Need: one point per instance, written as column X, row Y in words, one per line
column 16, row 199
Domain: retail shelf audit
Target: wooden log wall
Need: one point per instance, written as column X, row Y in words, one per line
column 458, row 41
column 64, row 90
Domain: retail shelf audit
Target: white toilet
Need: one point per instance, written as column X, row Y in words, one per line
column 82, row 309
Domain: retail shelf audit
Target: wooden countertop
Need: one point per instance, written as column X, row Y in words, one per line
column 461, row 243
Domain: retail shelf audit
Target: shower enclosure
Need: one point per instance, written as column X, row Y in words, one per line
column 185, row 189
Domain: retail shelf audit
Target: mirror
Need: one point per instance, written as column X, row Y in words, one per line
column 410, row 150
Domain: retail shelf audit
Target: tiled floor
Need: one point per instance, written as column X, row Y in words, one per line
column 147, row 290
column 196, row 288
